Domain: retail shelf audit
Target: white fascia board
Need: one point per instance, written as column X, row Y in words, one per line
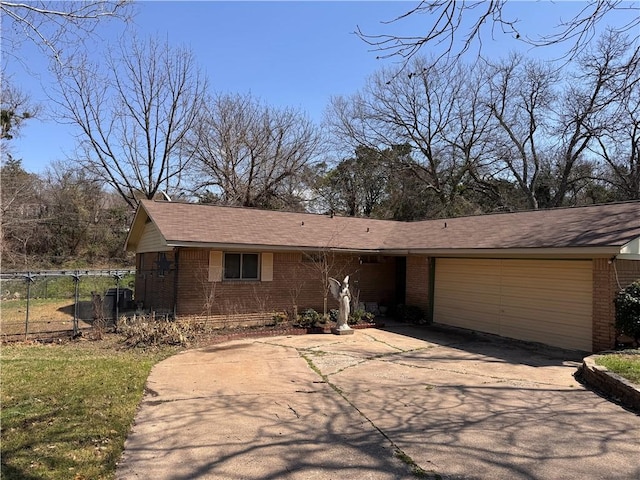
column 135, row 229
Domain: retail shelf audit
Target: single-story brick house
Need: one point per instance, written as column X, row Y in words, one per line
column 547, row 276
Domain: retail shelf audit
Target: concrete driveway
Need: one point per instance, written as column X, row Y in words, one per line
column 379, row 404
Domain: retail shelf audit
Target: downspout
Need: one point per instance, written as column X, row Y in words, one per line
column 176, row 255
column 432, row 286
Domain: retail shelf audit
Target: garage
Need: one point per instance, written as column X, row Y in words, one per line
column 546, row 301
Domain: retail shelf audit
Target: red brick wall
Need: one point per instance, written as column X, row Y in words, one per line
column 608, row 278
column 418, row 281
column 294, row 281
column 155, row 291
column 628, row 272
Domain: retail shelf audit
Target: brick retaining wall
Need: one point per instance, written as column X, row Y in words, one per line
column 614, row 386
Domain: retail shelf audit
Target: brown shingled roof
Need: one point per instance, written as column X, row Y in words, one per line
column 182, row 223
column 610, row 225
column 591, row 226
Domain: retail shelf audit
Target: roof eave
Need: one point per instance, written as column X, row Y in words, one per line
column 544, row 252
column 137, row 227
column 548, row 252
column 269, row 248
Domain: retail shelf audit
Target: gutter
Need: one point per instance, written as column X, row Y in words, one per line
column 563, row 252
column 271, row 248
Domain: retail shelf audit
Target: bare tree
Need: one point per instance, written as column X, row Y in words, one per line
column 360, row 186
column 251, row 154
column 15, row 109
column 418, row 110
column 134, row 117
column 618, row 147
column 606, row 75
column 460, row 26
column 521, row 101
column 56, row 26
column 325, row 264
column 21, row 208
column 294, row 289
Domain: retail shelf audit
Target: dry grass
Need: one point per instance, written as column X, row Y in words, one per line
column 45, row 315
column 39, row 308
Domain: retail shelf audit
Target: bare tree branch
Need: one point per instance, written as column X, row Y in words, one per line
column 251, row 154
column 16, row 107
column 457, row 26
column 135, row 115
column 56, row 26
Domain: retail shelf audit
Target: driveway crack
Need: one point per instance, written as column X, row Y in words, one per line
column 417, row 471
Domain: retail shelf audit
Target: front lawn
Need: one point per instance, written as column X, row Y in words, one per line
column 626, row 365
column 68, row 408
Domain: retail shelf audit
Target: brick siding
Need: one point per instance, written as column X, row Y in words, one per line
column 296, row 281
column 628, row 271
column 608, row 278
column 154, row 290
column 418, row 281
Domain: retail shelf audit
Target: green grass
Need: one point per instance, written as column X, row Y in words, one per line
column 67, row 409
column 625, row 365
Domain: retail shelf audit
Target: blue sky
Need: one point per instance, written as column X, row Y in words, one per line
column 295, row 54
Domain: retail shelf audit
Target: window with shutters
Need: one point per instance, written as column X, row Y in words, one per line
column 241, row 266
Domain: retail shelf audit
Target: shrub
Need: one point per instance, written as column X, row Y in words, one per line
column 279, row 317
column 310, row 318
column 360, row 316
column 628, row 311
column 145, row 332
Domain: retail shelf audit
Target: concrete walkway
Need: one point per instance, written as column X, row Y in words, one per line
column 391, row 404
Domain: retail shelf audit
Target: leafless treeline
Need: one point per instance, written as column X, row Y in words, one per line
column 434, row 137
column 511, row 134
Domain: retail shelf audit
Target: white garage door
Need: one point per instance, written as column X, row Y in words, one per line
column 547, row 301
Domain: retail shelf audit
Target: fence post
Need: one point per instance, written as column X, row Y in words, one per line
column 76, row 280
column 29, row 278
column 118, row 277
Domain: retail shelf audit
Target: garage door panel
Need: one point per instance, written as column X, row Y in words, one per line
column 485, row 321
column 546, row 270
column 558, row 335
column 550, row 283
column 474, row 303
column 578, row 302
column 568, row 326
column 568, row 340
column 480, row 289
column 548, row 301
column 471, row 281
column 473, row 297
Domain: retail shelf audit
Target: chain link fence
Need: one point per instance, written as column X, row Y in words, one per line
column 50, row 304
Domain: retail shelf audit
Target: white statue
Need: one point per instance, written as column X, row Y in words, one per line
column 343, row 295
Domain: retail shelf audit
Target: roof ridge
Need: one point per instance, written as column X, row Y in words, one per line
column 529, row 211
column 263, row 210
column 484, row 214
